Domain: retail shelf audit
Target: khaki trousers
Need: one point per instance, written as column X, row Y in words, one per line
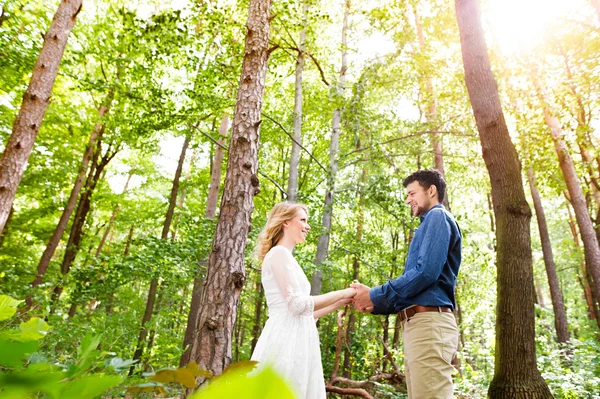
column 430, row 343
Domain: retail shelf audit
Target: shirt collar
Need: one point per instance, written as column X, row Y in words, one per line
column 433, row 207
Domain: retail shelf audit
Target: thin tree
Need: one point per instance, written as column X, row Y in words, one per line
column 591, row 248
column 560, row 313
column 431, row 110
column 225, row 276
column 35, row 102
column 151, row 298
column 292, row 191
column 515, row 372
column 323, row 244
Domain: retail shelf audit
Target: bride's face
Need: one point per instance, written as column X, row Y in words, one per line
column 297, row 229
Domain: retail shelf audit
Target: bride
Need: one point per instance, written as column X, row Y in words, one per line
column 290, row 340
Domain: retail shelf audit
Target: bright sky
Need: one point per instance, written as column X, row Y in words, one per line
column 519, row 25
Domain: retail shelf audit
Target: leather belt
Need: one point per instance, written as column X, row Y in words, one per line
column 410, row 312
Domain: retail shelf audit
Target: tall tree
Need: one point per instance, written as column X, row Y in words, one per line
column 591, row 248
column 72, row 201
column 225, row 276
column 515, row 372
column 560, row 313
column 292, row 191
column 431, row 108
column 323, row 245
column 151, row 298
column 35, row 102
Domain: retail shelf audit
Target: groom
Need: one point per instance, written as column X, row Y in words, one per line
column 423, row 297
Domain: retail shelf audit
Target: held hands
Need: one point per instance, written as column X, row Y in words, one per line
column 348, row 293
column 362, row 300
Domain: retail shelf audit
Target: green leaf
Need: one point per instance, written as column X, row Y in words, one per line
column 265, row 384
column 33, row 330
column 119, row 364
column 89, row 386
column 196, row 371
column 14, row 352
column 181, row 376
column 239, row 368
column 88, row 344
column 8, row 307
column 32, row 382
column 148, row 387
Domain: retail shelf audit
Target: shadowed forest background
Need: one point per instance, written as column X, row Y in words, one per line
column 126, row 242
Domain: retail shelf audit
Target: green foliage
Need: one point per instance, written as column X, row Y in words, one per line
column 240, row 381
column 172, row 70
column 22, row 378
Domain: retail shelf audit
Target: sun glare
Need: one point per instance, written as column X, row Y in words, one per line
column 517, row 26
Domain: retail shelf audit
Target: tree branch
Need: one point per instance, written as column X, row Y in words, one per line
column 294, row 140
column 284, row 192
column 349, row 391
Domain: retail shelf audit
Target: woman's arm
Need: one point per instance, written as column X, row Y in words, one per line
column 325, row 300
column 332, row 308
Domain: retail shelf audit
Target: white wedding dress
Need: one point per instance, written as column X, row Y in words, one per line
column 290, row 340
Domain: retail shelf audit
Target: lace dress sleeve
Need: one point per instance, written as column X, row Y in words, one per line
column 281, row 265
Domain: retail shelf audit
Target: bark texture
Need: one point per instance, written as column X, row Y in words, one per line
column 225, row 277
column 34, row 105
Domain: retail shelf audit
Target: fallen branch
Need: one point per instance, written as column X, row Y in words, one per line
column 349, row 391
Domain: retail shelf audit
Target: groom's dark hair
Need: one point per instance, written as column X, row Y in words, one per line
column 428, row 178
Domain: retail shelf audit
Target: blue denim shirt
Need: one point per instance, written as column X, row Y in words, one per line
column 431, row 268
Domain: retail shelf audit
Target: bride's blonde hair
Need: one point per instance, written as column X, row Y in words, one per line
column 273, row 230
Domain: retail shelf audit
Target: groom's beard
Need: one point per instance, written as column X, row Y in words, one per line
column 421, row 210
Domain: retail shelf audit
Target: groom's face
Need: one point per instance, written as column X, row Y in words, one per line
column 418, row 198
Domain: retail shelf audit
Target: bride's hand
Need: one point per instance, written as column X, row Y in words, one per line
column 343, row 302
column 348, row 293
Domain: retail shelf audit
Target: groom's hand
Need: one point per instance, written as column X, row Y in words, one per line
column 362, row 300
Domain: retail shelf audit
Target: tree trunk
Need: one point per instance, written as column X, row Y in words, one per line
column 586, row 280
column 72, row 201
column 188, row 338
column 215, row 173
column 360, row 226
column 431, row 112
column 35, row 102
column 129, row 239
column 225, row 276
column 183, row 193
column 175, row 189
column 151, row 299
column 144, row 329
column 114, row 215
column 515, row 372
column 83, row 207
column 257, row 313
column 211, row 210
column 591, row 248
column 339, row 341
column 4, row 232
column 323, row 245
column 560, row 313
column 292, row 191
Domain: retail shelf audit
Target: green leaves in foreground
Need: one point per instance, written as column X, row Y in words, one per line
column 241, row 381
column 8, row 307
column 23, row 377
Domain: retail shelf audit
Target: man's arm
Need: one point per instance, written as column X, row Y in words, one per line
column 430, row 259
